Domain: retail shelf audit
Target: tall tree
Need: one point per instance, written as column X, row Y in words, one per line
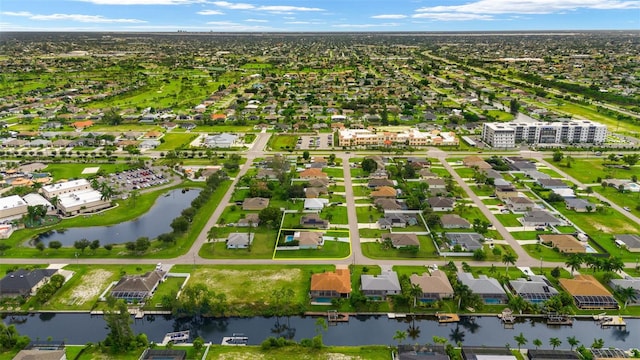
column 520, row 340
column 572, row 341
column 537, row 343
column 508, row 259
column 574, row 263
column 400, row 336
column 627, row 294
column 118, row 322
column 555, row 342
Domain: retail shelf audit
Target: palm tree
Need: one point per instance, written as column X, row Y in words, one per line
column 461, row 291
column 574, row 263
column 508, row 259
column 537, row 343
column 400, row 336
column 571, row 340
column 521, row 340
column 106, row 191
column 554, row 342
column 415, row 291
column 627, row 295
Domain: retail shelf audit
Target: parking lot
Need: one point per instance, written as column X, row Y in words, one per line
column 321, row 141
column 129, row 180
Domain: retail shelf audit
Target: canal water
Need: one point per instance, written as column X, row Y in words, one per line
column 365, row 330
column 153, row 223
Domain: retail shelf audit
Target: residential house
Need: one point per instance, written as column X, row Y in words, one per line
column 312, row 173
column 149, row 144
column 383, row 192
column 489, row 289
column 254, row 204
column 135, row 288
column 315, row 204
column 314, row 192
column 318, row 183
column 536, row 289
column 80, row 125
column 42, row 354
column 521, row 165
column 519, row 203
column 470, row 241
column 630, row 241
column 379, row 174
column 385, row 204
column 474, row 161
column 551, row 184
column 308, row 239
column 402, row 240
column 546, row 354
column 440, row 203
column 565, row 243
column 487, row 353
column 313, row 221
column 539, row 218
column 436, row 185
column 164, row 354
column 239, row 240
column 427, row 174
column 537, row 175
column 336, row 284
column 378, row 287
column 252, row 220
column 422, row 352
column 421, row 162
column 376, row 183
column 434, row 286
column 506, row 191
column 394, row 220
column 269, row 174
column 588, row 293
column 628, row 282
column 24, row 283
column 453, row 221
column 579, row 205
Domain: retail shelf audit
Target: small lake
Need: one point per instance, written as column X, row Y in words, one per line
column 360, row 330
column 153, row 223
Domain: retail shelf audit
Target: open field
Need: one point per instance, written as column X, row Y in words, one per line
column 588, row 170
column 283, row 142
column 300, row 353
column 173, row 141
column 330, row 250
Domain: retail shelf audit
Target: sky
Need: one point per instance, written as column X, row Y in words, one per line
column 318, row 15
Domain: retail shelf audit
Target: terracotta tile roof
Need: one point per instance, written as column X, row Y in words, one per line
column 564, row 243
column 584, row 285
column 312, row 173
column 339, row 281
column 384, row 191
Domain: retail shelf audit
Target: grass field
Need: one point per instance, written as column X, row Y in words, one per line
column 375, row 250
column 169, row 286
column 173, row 141
column 283, row 142
column 509, row 219
column 630, row 200
column 300, row 353
column 74, row 171
column 330, row 250
column 335, row 172
column 262, row 247
column 368, row 214
column 588, row 170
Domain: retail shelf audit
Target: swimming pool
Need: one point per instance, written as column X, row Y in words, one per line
column 323, row 300
column 288, row 238
column 590, row 250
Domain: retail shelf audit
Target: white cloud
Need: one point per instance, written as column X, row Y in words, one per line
column 83, row 18
column 210, row 12
column 441, row 16
column 16, row 13
column 284, row 8
column 530, row 6
column 256, row 20
column 389, row 16
column 70, row 17
column 144, row 2
column 233, row 6
column 304, row 23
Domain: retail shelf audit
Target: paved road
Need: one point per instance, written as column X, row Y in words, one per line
column 258, row 150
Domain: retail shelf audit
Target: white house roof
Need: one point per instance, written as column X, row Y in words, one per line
column 387, row 281
column 315, row 203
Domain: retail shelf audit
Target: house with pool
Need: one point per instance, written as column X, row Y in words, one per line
column 329, row 285
column 435, row 286
column 488, row 288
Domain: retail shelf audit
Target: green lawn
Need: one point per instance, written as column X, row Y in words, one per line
column 262, row 247
column 465, row 172
column 301, row 353
column 483, row 190
column 167, row 287
column 509, row 219
column 335, row 214
column 74, row 171
column 361, row 191
column 528, row 235
column 491, row 201
column 173, row 141
column 368, row 214
column 628, row 199
column 283, row 142
column 588, row 170
column 375, row 250
column 335, row 172
column 330, row 250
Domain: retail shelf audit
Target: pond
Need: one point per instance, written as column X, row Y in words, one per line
column 81, row 328
column 155, row 222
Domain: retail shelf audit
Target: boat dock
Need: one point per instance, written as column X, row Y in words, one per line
column 507, row 316
column 235, row 340
column 617, row 321
column 444, row 318
column 175, row 337
column 334, row 317
column 396, row 315
column 557, row 319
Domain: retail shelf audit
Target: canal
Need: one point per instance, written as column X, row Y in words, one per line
column 359, row 330
column 153, row 223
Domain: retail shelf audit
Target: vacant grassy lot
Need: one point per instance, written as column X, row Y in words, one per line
column 335, row 214
column 170, row 286
column 482, row 190
column 587, row 171
column 283, row 142
column 244, row 284
column 262, row 247
column 300, row 353
column 368, row 214
column 509, row 219
column 376, row 250
column 73, row 171
column 334, row 172
column 174, row 141
column 629, row 200
column 465, row 172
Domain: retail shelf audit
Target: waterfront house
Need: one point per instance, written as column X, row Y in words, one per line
column 330, row 284
column 536, row 289
column 489, row 289
column 132, row 288
column 24, row 283
column 627, row 282
column 434, row 286
column 380, row 286
column 422, row 352
column 549, row 354
column 164, row 354
column 588, row 293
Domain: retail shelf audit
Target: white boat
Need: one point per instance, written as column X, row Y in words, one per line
column 235, row 340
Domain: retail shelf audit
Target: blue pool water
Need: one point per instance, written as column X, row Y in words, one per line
column 288, row 238
column 322, row 300
column 590, row 250
column 492, row 301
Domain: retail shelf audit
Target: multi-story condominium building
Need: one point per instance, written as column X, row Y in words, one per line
column 509, row 134
column 392, row 137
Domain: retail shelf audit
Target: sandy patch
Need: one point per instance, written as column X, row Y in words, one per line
column 90, row 287
column 240, row 356
column 91, row 170
column 248, row 281
column 336, row 356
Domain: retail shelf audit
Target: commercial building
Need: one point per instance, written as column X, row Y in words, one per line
column 65, row 187
column 395, row 137
column 80, row 202
column 509, row 134
column 12, row 207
